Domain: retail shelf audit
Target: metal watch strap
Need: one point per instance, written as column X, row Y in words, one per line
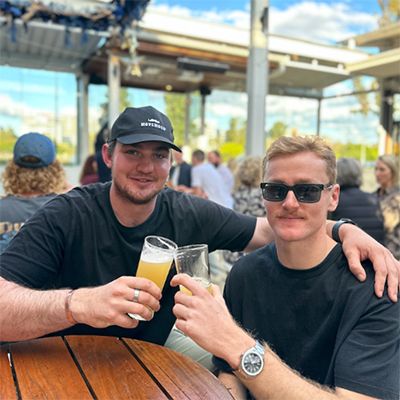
column 258, row 348
column 337, row 225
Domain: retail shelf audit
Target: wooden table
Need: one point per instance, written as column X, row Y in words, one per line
column 96, row 367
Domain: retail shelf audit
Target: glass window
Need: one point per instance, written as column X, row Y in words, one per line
column 38, row 101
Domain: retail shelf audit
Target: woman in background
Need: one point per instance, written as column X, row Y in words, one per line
column 388, row 192
column 246, row 194
column 89, row 171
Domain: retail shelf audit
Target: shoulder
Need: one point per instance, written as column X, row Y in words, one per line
column 79, row 200
column 189, row 203
column 247, row 264
column 87, row 192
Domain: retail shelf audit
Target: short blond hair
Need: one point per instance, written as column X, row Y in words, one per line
column 292, row 145
column 19, row 180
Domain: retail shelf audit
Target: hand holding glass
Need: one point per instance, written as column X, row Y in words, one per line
column 155, row 261
column 193, row 261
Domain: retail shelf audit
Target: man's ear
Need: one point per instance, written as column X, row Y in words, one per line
column 106, row 156
column 335, row 194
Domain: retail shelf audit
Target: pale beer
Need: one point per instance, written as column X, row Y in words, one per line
column 155, row 262
column 203, row 282
column 155, row 268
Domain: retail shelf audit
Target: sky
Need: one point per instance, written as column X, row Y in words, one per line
column 325, row 21
column 24, row 92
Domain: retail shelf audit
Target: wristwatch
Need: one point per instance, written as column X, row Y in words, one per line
column 252, row 361
column 338, row 224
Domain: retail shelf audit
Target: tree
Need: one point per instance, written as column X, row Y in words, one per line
column 123, row 103
column 278, row 129
column 175, row 108
column 390, row 11
column 233, row 143
column 7, row 141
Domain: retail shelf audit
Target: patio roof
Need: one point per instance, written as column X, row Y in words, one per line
column 43, row 46
column 296, row 67
column 217, row 55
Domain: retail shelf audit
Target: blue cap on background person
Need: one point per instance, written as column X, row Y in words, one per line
column 143, row 124
column 34, row 150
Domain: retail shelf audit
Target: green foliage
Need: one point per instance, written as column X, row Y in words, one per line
column 7, row 141
column 236, row 132
column 123, row 103
column 362, row 97
column 175, row 109
column 390, row 12
column 355, row 150
column 124, row 99
column 278, row 129
column 66, row 152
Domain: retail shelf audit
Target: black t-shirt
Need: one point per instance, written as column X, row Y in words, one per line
column 76, row 241
column 322, row 322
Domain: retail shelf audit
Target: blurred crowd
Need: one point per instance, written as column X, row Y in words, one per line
column 34, row 176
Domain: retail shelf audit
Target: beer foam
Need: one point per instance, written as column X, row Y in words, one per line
column 156, row 257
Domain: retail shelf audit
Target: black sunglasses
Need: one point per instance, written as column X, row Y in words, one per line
column 304, row 192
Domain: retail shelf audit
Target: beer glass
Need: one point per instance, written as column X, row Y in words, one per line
column 193, row 260
column 155, row 261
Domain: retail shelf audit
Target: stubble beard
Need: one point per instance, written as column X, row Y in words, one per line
column 126, row 193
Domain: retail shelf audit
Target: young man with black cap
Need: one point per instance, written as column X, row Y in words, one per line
column 30, row 179
column 71, row 269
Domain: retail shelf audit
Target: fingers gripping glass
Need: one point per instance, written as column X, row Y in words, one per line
column 304, row 192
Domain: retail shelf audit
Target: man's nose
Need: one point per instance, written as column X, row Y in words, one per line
column 145, row 164
column 290, row 201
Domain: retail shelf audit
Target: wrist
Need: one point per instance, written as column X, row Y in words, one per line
column 338, row 228
column 236, row 349
column 67, row 307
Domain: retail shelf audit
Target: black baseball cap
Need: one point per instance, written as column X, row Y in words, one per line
column 143, row 124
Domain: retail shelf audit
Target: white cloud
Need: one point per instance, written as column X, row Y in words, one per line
column 13, row 108
column 233, row 110
column 310, row 20
column 320, row 22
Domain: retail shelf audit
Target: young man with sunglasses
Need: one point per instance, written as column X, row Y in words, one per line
column 310, row 330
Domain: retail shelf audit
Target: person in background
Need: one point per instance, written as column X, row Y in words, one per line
column 180, row 175
column 214, row 158
column 103, row 171
column 89, row 171
column 361, row 207
column 30, row 179
column 388, row 193
column 246, row 194
column 302, row 328
column 207, row 182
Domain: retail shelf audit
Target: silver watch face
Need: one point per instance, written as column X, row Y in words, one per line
column 252, row 363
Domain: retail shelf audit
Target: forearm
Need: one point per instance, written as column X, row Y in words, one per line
column 262, row 235
column 278, row 381
column 28, row 313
